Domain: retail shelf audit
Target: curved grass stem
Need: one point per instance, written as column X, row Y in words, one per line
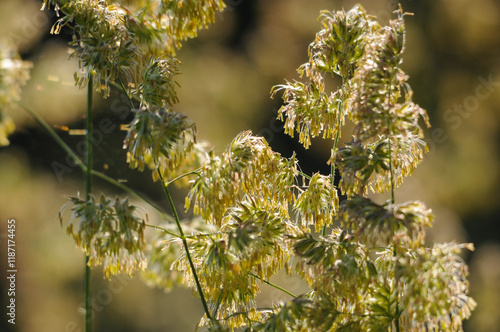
column 186, row 247
column 164, row 230
column 176, row 218
column 391, row 171
column 193, row 236
column 304, row 175
column 182, row 176
column 273, row 285
column 88, row 193
column 122, row 87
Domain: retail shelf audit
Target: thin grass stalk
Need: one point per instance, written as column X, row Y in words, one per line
column 273, row 285
column 186, row 247
column 88, row 193
column 393, row 200
column 188, row 255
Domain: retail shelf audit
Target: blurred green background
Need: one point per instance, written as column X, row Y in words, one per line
column 452, row 57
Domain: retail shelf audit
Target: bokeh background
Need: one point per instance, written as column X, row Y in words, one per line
column 452, row 57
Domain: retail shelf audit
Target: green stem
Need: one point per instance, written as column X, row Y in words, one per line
column 130, row 191
column 272, row 285
column 397, row 318
column 391, row 171
column 88, row 135
column 54, row 135
column 194, row 236
column 395, row 253
column 186, row 247
column 88, row 302
column 181, row 176
column 334, row 148
column 88, row 193
column 244, row 313
column 164, row 230
column 217, row 305
column 122, row 87
column 304, row 175
column 396, row 287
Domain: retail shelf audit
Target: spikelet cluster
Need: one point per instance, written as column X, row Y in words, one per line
column 424, row 288
column 162, row 251
column 104, row 44
column 375, row 269
column 161, row 255
column 165, row 24
column 386, row 119
column 249, row 244
column 129, row 44
column 110, row 232
column 318, row 203
column 310, row 109
column 381, row 225
column 375, row 95
column 336, row 265
column 434, row 286
column 182, row 19
column 367, row 167
column 359, row 165
column 291, row 316
column 161, row 140
column 380, row 99
column 132, row 40
column 157, row 85
column 247, row 166
column 14, row 73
